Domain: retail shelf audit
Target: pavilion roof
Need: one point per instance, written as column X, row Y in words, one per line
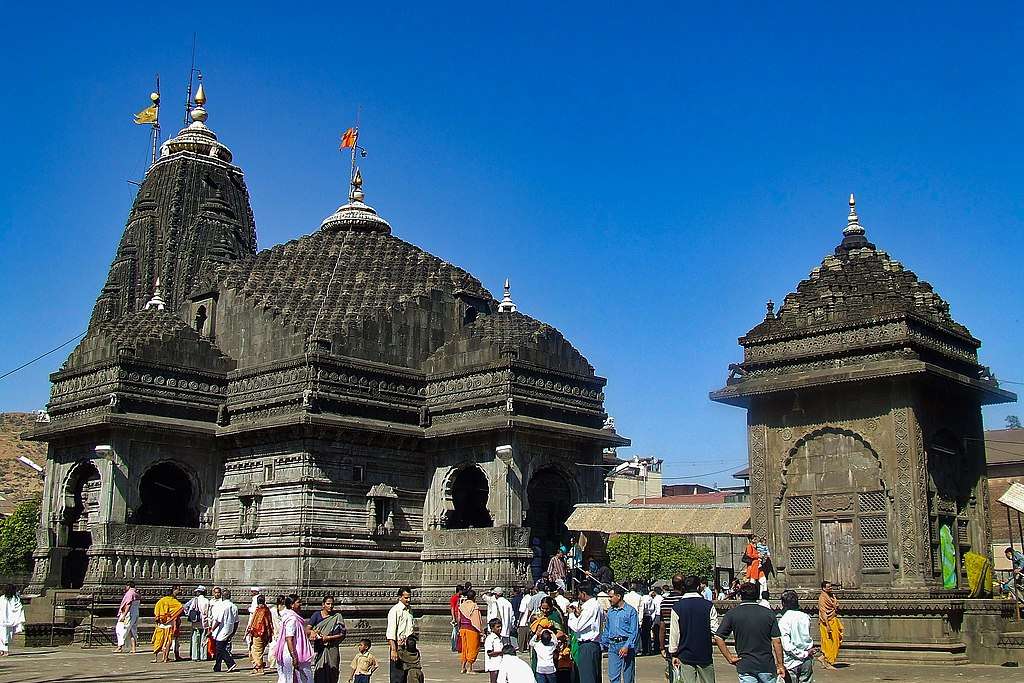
column 682, row 520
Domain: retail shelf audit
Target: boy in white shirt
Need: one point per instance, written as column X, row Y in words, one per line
column 494, row 650
column 545, row 646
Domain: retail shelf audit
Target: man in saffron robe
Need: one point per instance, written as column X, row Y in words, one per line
column 831, row 627
column 168, row 611
column 752, row 557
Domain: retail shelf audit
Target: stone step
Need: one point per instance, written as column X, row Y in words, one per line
column 944, row 654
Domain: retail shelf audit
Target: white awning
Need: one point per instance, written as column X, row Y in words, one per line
column 1014, row 497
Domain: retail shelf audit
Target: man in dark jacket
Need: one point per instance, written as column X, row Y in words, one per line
column 693, row 622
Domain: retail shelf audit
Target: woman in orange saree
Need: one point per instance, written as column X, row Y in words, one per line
column 470, row 628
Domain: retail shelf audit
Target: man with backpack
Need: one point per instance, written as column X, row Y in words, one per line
column 197, row 611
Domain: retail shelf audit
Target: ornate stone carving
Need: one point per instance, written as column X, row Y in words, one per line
column 905, row 491
column 758, row 480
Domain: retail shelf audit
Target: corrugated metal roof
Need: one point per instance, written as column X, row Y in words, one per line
column 723, row 518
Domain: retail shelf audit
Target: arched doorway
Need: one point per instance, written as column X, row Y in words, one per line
column 80, row 513
column 165, row 497
column 835, row 512
column 550, row 497
column 469, row 492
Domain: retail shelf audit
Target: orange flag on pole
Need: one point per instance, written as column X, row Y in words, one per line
column 348, row 138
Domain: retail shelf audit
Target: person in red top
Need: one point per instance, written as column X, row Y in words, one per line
column 453, row 605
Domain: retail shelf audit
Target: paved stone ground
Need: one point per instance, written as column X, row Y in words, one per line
column 74, row 664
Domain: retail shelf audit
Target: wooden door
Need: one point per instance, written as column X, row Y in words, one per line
column 839, row 561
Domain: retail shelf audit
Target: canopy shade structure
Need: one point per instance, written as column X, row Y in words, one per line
column 1014, row 497
column 690, row 520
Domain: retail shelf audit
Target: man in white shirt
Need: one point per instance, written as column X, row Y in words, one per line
column 223, row 623
column 400, row 627
column 558, row 597
column 797, row 645
column 646, row 614
column 585, row 618
column 656, row 599
column 200, row 629
column 634, row 599
column 525, row 610
column 502, row 611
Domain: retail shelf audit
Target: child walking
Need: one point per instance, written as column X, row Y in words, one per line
column 363, row 664
column 494, row 650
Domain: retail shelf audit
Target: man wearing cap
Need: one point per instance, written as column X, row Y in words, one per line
column 500, row 608
column 199, row 604
column 585, row 619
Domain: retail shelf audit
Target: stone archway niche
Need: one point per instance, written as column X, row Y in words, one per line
column 166, row 497
column 469, row 493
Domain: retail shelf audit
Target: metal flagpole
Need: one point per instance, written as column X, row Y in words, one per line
column 155, row 132
column 191, row 75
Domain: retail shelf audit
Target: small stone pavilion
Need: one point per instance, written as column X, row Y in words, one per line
column 344, row 412
column 863, row 400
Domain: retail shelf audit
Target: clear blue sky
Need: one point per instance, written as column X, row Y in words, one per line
column 647, row 174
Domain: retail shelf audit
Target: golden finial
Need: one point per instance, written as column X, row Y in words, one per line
column 198, row 112
column 356, row 194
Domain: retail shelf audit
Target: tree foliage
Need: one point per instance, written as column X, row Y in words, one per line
column 668, row 555
column 18, row 538
column 1012, row 422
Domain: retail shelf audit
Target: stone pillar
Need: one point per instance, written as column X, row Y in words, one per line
column 910, row 499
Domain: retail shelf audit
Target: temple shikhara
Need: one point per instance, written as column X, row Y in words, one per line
column 344, row 412
column 866, row 445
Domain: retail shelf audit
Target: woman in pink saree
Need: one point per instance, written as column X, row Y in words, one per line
column 294, row 653
column 128, row 618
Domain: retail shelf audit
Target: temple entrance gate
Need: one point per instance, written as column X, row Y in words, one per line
column 80, row 512
column 839, row 553
column 550, row 496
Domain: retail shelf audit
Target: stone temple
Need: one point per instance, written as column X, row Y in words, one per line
column 344, row 412
column 863, row 399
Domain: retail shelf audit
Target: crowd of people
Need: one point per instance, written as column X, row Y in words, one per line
column 278, row 637
column 568, row 630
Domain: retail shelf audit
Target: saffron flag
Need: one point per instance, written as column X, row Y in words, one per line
column 146, row 116
column 348, row 138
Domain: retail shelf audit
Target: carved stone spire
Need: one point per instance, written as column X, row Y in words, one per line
column 507, row 305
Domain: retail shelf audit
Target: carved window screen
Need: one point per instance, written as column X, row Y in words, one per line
column 873, row 501
column 800, row 533
column 874, row 528
column 799, row 506
column 874, row 556
column 801, row 558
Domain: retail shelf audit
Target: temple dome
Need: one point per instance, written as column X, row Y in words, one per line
column 491, row 337
column 857, row 283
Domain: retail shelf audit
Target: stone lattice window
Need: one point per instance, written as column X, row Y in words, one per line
column 801, row 558
column 874, row 529
column 874, row 556
column 873, row 501
column 800, row 533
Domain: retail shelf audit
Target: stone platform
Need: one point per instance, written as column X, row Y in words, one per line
column 95, row 665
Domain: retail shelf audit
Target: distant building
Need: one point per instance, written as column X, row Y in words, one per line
column 1004, row 458
column 686, row 489
column 636, row 478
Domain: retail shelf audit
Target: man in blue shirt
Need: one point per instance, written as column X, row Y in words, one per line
column 620, row 637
